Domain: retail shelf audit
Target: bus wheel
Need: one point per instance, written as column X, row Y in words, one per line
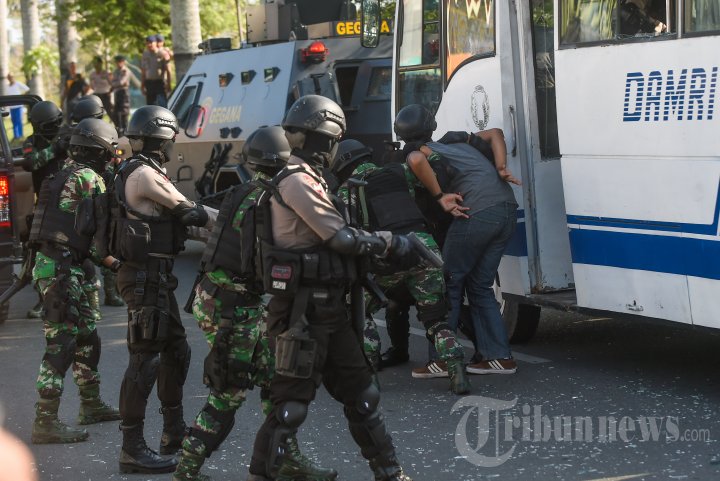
column 521, row 320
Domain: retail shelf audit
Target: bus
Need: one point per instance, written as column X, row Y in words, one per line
column 611, row 115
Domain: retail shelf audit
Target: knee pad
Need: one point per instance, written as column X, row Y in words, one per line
column 142, row 371
column 433, row 313
column 292, row 414
column 93, row 342
column 60, row 352
column 368, row 400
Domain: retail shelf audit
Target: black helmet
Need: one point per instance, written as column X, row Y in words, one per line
column 315, row 113
column 349, row 153
column 152, row 122
column 267, row 147
column 89, row 107
column 45, row 118
column 93, row 143
column 414, row 122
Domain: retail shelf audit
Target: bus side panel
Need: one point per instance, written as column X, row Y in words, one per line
column 704, row 300
column 641, row 172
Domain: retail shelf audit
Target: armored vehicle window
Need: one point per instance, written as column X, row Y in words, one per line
column 184, row 103
column 346, row 76
column 380, row 82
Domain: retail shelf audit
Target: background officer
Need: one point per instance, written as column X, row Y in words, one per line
column 150, row 220
column 69, row 321
column 228, row 308
column 121, row 93
column 307, row 265
column 387, row 203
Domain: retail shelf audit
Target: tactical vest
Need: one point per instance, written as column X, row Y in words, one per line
column 387, row 203
column 53, row 225
column 133, row 239
column 230, row 249
column 285, row 270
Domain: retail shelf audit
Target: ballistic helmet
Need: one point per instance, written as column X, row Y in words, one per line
column 414, row 122
column 315, row 114
column 152, row 122
column 45, row 118
column 93, row 143
column 267, row 147
column 350, row 153
column 89, row 107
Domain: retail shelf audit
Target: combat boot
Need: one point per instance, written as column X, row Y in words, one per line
column 36, row 311
column 188, row 468
column 459, row 382
column 137, row 457
column 93, row 409
column 296, row 466
column 387, row 468
column 112, row 297
column 47, row 428
column 173, row 429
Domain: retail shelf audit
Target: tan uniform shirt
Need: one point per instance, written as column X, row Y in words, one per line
column 154, row 65
column 121, row 78
column 312, row 220
column 100, row 82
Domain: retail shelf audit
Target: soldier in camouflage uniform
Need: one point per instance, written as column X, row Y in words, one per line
column 59, row 275
column 391, row 190
column 228, row 308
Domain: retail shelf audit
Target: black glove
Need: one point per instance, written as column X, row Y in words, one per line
column 402, row 253
column 115, row 266
column 400, row 246
column 454, row 137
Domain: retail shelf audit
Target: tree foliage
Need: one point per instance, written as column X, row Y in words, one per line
column 34, row 59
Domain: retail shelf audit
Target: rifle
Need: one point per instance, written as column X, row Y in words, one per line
column 427, row 256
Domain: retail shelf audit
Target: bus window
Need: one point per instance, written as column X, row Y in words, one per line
column 470, row 31
column 420, row 87
column 543, row 29
column 702, row 16
column 601, row 20
column 420, row 33
column 380, row 82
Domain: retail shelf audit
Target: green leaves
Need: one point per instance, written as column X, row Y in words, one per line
column 41, row 55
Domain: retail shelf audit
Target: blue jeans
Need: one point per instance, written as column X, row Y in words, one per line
column 472, row 252
column 16, row 117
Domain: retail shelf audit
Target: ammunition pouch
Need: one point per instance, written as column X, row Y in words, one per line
column 85, row 223
column 133, row 240
column 148, row 323
column 295, row 352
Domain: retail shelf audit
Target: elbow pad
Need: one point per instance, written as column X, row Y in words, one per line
column 351, row 242
column 190, row 213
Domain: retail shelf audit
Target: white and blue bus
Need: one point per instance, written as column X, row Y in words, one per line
column 611, row 113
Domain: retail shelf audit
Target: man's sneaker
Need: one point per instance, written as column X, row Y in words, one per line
column 431, row 370
column 493, row 366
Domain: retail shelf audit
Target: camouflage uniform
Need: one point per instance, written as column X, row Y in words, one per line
column 83, row 183
column 426, row 285
column 248, row 344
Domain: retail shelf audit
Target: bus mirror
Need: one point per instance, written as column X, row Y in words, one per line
column 370, row 30
column 195, row 122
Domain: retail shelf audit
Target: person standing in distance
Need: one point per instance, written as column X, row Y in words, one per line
column 121, row 93
column 149, row 228
column 14, row 87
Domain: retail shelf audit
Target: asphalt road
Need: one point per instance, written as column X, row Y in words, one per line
column 593, row 399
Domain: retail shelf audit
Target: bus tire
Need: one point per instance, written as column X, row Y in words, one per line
column 521, row 321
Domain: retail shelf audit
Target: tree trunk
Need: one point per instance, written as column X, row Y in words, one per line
column 185, row 21
column 67, row 38
column 4, row 51
column 31, row 39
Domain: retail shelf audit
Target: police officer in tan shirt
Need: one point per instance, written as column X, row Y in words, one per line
column 308, row 267
column 150, row 229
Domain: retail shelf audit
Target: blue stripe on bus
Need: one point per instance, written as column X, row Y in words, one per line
column 704, row 229
column 517, row 246
column 647, row 252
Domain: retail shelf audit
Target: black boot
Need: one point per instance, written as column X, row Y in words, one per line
column 136, row 457
column 173, row 429
column 387, row 468
column 394, row 356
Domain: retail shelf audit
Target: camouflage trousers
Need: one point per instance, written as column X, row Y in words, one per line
column 249, row 344
column 426, row 285
column 70, row 334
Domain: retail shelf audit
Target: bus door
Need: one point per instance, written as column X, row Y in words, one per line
column 638, row 131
